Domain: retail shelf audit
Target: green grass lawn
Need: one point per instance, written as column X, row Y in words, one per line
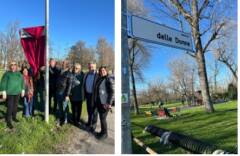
column 32, row 135
column 219, row 128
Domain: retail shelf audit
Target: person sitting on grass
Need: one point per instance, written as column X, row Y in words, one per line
column 12, row 85
column 28, row 97
column 166, row 112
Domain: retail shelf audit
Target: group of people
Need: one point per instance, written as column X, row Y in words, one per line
column 68, row 85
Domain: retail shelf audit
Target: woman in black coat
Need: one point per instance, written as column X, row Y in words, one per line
column 103, row 98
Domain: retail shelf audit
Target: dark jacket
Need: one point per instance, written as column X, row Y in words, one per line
column 64, row 83
column 40, row 80
column 53, row 76
column 104, row 91
column 77, row 86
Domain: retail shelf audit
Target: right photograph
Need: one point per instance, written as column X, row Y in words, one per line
column 179, row 77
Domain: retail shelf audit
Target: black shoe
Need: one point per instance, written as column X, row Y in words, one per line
column 9, row 125
column 101, row 136
column 15, row 120
column 87, row 125
column 91, row 130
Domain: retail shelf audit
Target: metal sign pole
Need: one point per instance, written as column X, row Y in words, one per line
column 126, row 129
column 47, row 58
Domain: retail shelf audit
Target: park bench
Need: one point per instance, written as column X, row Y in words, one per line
column 190, row 144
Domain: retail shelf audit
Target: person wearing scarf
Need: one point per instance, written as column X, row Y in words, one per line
column 28, row 97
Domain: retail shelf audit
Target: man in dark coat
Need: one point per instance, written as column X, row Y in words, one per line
column 89, row 84
column 62, row 93
column 53, row 76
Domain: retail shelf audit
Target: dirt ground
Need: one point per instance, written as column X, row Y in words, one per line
column 83, row 142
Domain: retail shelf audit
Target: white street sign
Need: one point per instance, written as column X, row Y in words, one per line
column 153, row 32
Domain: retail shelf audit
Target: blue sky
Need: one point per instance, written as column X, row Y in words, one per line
column 161, row 55
column 70, row 20
column 27, row 12
column 74, row 20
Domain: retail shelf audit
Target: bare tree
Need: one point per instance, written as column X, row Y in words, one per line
column 138, row 58
column 215, row 70
column 138, row 52
column 81, row 54
column 182, row 77
column 226, row 48
column 158, row 90
column 205, row 19
column 10, row 46
column 105, row 53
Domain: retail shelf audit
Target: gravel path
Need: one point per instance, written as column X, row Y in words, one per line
column 82, row 142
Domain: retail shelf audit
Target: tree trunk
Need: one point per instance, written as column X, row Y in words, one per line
column 202, row 71
column 204, row 82
column 136, row 108
column 234, row 73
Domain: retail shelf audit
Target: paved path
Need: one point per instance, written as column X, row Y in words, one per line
column 82, row 142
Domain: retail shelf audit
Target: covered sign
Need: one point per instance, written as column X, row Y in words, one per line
column 33, row 43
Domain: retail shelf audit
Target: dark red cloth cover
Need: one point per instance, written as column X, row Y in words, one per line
column 33, row 43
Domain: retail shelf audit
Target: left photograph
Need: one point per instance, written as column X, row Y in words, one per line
column 57, row 77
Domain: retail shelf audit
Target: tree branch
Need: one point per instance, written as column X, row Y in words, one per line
column 186, row 15
column 204, row 5
column 214, row 36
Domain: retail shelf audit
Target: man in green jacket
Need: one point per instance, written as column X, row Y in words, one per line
column 12, row 86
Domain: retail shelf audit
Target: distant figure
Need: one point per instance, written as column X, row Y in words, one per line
column 182, row 100
column 167, row 112
column 160, row 104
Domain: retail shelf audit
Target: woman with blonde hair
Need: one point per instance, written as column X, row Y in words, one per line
column 76, row 95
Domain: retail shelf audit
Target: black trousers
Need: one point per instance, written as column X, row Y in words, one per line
column 102, row 115
column 52, row 94
column 12, row 104
column 76, row 110
column 103, row 118
column 91, row 110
